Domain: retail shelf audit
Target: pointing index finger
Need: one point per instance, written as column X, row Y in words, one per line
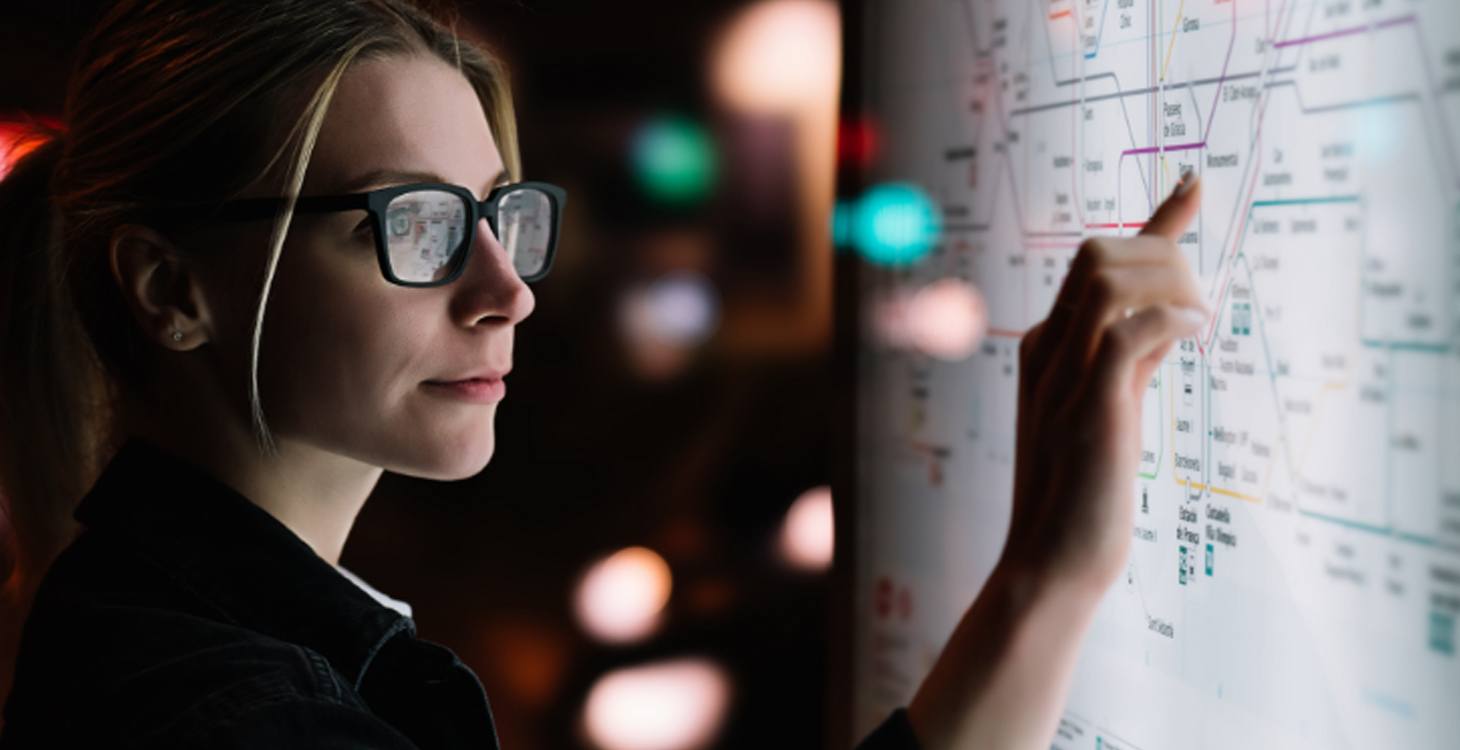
column 1176, row 212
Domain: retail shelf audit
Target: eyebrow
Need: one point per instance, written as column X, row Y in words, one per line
column 383, row 177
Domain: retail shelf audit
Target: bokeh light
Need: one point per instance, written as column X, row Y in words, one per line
column 947, row 319
column 664, row 321
column 680, row 307
column 670, row 705
column 674, row 160
column 857, row 143
column 896, row 224
column 843, row 216
column 887, row 318
column 16, row 140
column 808, row 535
column 621, row 597
column 780, row 56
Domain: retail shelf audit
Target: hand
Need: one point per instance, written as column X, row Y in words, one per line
column 1001, row 679
column 1083, row 373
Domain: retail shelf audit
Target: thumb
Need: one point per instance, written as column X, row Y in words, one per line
column 1176, row 212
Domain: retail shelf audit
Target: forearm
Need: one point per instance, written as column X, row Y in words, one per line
column 1001, row 679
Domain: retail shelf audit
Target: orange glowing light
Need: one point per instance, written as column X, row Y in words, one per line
column 670, row 705
column 621, row 597
column 808, row 535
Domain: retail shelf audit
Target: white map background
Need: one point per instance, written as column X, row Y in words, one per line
column 1295, row 573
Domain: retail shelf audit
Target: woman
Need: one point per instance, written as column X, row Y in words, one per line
column 171, row 289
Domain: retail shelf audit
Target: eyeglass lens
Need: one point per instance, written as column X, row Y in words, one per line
column 424, row 229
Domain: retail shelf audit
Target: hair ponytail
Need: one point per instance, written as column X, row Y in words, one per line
column 54, row 404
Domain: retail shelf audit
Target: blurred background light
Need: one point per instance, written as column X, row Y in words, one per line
column 808, row 535
column 680, row 307
column 665, row 321
column 896, row 224
column 16, row 140
column 947, row 319
column 671, row 705
column 887, row 318
column 674, row 160
column 843, row 216
column 779, row 56
column 621, row 596
column 856, row 143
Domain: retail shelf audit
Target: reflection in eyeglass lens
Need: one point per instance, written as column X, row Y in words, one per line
column 524, row 218
column 424, row 228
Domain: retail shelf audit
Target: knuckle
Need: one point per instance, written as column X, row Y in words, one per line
column 1119, row 341
column 1163, row 248
column 1094, row 250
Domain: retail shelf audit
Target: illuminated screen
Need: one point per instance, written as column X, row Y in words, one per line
column 1294, row 579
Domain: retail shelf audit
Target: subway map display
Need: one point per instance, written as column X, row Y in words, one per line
column 1294, row 579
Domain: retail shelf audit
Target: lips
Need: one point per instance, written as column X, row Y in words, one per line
column 481, row 376
column 476, row 390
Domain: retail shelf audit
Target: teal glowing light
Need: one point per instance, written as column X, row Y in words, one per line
column 843, row 216
column 674, row 160
column 895, row 224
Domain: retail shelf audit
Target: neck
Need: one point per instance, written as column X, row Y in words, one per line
column 316, row 493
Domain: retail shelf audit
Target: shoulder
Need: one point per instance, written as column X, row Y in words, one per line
column 134, row 658
column 239, row 697
column 104, row 617
column 287, row 723
column 259, row 698
column 188, row 682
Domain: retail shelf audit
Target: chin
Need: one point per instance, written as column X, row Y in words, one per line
column 470, row 465
column 453, row 461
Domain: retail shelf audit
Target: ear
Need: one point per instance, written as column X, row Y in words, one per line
column 161, row 287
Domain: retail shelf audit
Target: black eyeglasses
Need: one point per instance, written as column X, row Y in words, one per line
column 423, row 231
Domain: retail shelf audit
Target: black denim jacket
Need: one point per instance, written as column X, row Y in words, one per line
column 185, row 615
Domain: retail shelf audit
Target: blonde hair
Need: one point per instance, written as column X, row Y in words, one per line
column 170, row 101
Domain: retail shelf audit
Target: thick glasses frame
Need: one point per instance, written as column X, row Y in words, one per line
column 375, row 202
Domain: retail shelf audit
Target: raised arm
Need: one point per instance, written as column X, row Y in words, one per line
column 1002, row 678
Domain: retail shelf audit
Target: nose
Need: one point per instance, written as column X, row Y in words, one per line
column 489, row 288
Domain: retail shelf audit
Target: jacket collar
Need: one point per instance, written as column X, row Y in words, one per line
column 236, row 556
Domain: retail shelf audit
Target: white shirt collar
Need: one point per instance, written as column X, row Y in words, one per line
column 395, row 604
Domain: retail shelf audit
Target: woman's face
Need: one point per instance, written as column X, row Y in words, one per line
column 345, row 354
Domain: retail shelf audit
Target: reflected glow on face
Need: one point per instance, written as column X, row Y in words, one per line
column 345, row 353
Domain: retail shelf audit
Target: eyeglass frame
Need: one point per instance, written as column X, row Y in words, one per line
column 374, row 202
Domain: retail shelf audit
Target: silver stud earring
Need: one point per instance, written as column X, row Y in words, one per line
column 177, row 335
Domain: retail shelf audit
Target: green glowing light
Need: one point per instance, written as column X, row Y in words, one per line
column 674, row 160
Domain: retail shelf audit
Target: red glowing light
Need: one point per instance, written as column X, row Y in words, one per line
column 857, row 142
column 19, row 138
